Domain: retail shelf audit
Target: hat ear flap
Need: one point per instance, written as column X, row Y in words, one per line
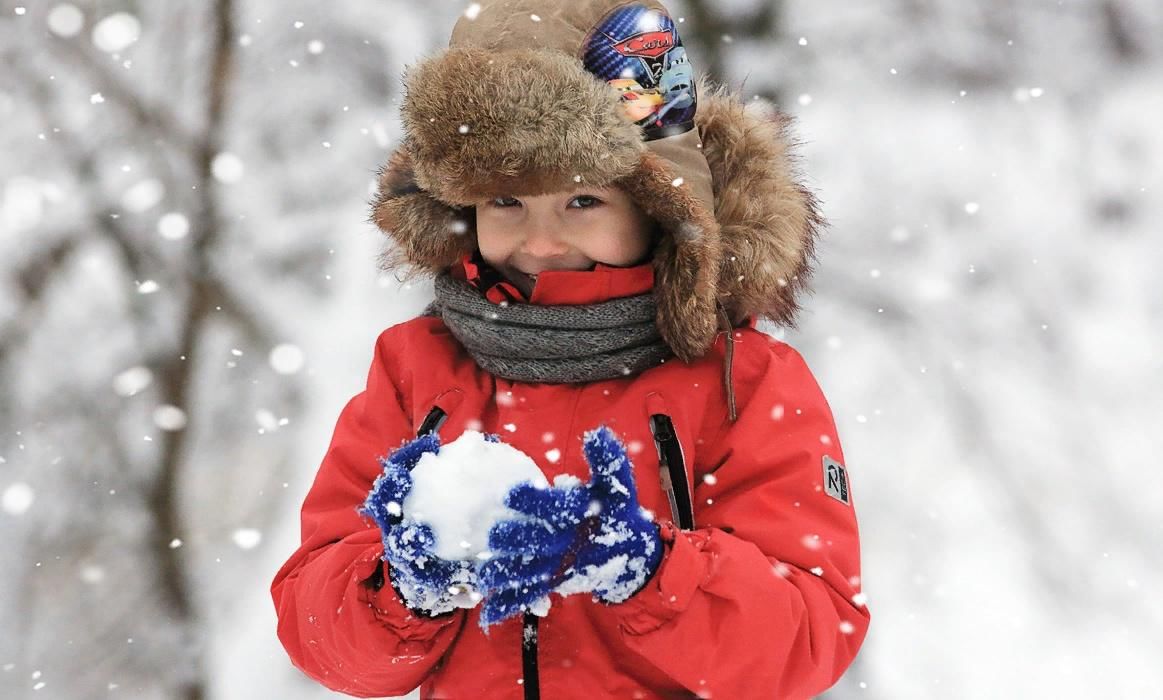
column 769, row 221
column 429, row 235
column 686, row 260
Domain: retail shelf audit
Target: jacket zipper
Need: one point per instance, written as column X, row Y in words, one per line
column 530, row 679
column 432, row 421
column 672, row 470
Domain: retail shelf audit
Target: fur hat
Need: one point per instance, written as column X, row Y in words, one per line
column 536, row 96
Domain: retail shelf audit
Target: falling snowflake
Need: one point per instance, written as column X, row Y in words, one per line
column 173, row 226
column 169, row 418
column 17, row 498
column 226, row 167
column 132, row 380
column 116, row 32
column 143, row 195
column 286, row 358
column 246, row 538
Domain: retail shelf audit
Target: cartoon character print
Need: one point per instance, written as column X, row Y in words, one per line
column 638, row 51
column 678, row 80
column 638, row 102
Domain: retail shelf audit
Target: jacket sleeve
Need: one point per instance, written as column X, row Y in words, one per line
column 762, row 599
column 338, row 626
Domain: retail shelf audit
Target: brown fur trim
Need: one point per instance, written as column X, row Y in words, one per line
column 485, row 124
column 769, row 222
column 428, row 234
column 686, row 262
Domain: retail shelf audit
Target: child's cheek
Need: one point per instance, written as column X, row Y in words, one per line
column 493, row 245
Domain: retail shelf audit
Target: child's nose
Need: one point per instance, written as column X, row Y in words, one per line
column 543, row 244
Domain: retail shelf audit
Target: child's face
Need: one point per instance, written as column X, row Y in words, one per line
column 569, row 230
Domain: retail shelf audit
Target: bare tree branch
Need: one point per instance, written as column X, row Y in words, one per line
column 152, row 117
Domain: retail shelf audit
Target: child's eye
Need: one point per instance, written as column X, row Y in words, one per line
column 584, row 201
column 505, row 202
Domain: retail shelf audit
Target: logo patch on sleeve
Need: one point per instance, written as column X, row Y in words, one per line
column 836, row 480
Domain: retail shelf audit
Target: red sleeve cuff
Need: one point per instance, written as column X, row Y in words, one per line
column 684, row 568
column 386, row 606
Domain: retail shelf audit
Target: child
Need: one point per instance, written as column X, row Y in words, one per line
column 604, row 234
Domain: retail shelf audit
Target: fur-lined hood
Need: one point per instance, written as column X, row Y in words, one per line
column 510, row 109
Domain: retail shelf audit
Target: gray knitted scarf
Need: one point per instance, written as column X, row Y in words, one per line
column 552, row 344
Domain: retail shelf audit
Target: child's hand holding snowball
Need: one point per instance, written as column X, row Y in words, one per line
column 476, row 518
column 572, row 538
column 424, row 580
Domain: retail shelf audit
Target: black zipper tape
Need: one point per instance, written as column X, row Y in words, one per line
column 530, row 677
column 672, row 470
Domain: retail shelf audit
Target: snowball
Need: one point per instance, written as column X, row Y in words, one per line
column 460, row 492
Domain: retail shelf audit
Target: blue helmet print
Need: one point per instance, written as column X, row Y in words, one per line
column 638, row 51
column 678, row 80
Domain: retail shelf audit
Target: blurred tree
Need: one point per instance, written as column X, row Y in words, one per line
column 146, row 147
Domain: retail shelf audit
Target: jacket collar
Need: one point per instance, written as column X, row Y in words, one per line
column 557, row 287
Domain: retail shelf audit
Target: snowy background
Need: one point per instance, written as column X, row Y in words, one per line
column 189, row 294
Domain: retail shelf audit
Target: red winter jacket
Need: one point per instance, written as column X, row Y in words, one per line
column 759, row 600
